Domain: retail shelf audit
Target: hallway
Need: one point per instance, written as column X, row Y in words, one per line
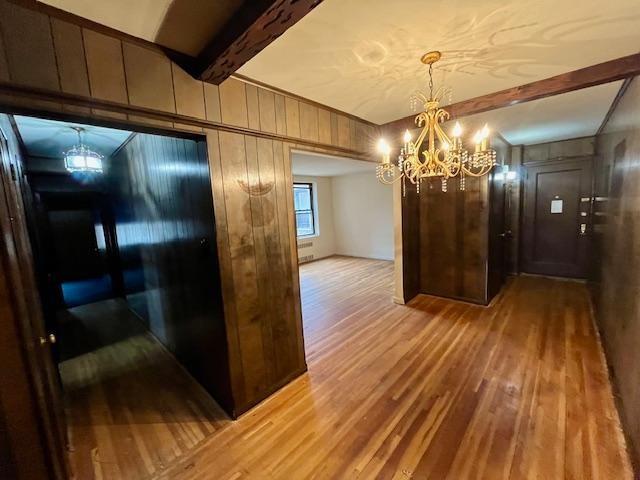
column 436, row 389
column 131, row 407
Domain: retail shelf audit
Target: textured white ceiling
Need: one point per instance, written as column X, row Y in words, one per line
column 317, row 165
column 50, row 138
column 140, row 18
column 362, row 56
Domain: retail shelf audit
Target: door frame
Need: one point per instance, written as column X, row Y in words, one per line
column 47, row 422
column 43, row 412
column 560, row 163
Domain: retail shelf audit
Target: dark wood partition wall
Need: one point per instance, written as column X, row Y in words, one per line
column 615, row 279
column 57, row 69
column 167, row 248
column 453, row 243
column 454, row 239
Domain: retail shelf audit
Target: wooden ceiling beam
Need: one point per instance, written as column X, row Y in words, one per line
column 618, row 69
column 251, row 29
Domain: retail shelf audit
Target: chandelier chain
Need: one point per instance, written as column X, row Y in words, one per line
column 431, row 81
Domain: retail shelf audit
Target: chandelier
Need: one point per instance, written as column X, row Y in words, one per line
column 442, row 156
column 81, row 158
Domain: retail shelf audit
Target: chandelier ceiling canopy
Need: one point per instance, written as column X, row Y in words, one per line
column 434, row 153
column 80, row 158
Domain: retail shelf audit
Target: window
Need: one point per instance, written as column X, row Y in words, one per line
column 303, row 204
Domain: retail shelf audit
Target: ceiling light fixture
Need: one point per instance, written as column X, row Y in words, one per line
column 81, row 158
column 444, row 156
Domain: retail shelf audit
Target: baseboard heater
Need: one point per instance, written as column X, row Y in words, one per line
column 306, row 258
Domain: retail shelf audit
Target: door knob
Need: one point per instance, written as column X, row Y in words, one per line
column 51, row 338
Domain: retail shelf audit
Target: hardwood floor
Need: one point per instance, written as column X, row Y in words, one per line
column 435, row 389
column 131, row 409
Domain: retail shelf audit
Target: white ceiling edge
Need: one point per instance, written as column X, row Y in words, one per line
column 141, row 18
column 312, row 164
column 560, row 117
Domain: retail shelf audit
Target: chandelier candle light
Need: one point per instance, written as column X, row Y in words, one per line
column 444, row 156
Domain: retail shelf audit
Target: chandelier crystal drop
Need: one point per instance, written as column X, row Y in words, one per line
column 442, row 156
column 80, row 158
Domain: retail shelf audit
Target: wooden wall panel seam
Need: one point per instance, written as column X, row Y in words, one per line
column 286, row 93
column 55, row 54
column 143, row 112
column 224, row 248
column 124, row 70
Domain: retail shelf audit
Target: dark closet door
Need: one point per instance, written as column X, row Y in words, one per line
column 26, row 351
column 556, row 217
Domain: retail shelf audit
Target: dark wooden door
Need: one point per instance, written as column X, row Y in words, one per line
column 556, row 217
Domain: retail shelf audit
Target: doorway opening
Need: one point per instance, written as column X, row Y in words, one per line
column 344, row 226
column 126, row 267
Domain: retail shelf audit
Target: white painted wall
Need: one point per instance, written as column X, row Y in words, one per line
column 324, row 243
column 363, row 216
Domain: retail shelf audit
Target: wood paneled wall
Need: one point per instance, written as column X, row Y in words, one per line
column 575, row 147
column 616, row 281
column 161, row 194
column 72, row 68
column 454, row 239
column 61, row 70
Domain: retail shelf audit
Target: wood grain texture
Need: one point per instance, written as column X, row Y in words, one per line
column 542, row 152
column 453, row 239
column 324, row 125
column 212, row 102
column 435, row 389
column 309, row 122
column 412, row 242
column 344, row 131
column 267, row 105
column 149, row 78
column 105, row 67
column 606, row 72
column 258, row 216
column 189, row 94
column 281, row 115
column 615, row 241
column 31, row 56
column 250, row 30
column 164, row 214
column 72, row 65
column 292, row 115
column 233, row 102
column 253, row 109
